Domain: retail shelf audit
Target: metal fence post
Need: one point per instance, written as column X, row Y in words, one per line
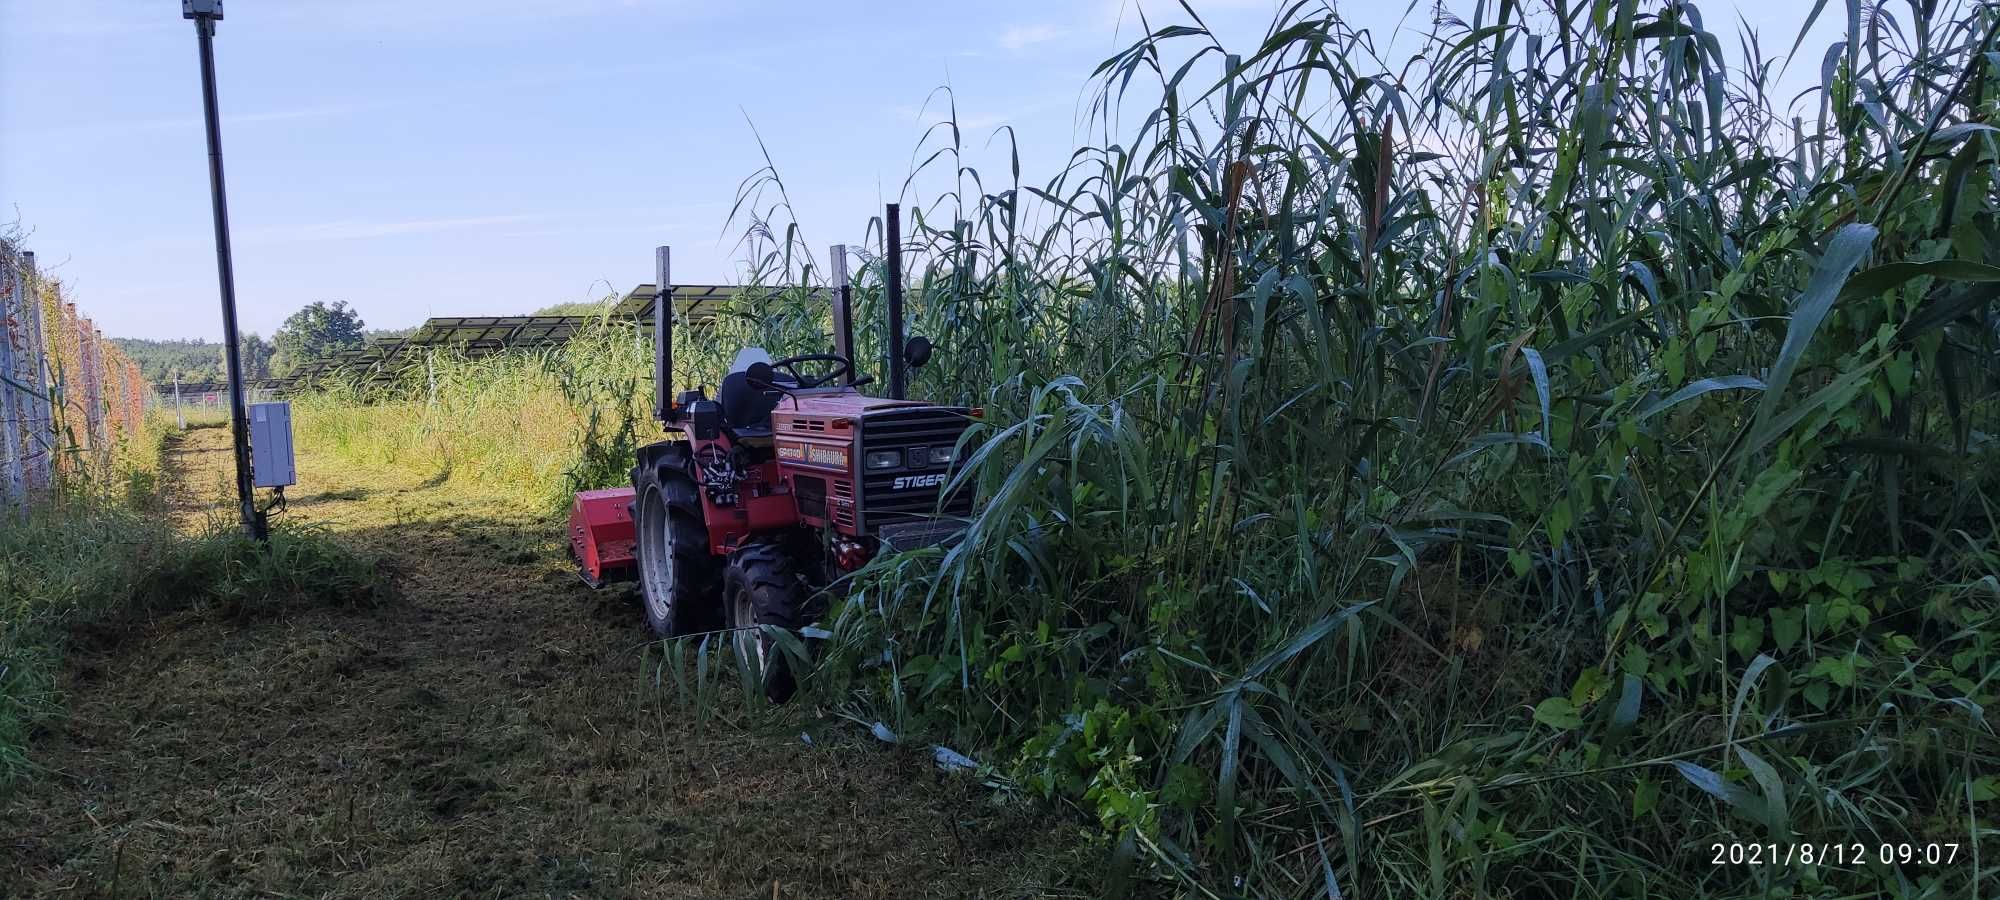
column 80, row 331
column 40, row 431
column 99, row 376
column 87, row 359
column 100, row 397
column 12, row 488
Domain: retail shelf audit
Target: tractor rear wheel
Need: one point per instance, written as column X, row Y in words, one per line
column 762, row 586
column 677, row 575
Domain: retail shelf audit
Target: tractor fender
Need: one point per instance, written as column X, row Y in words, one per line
column 681, row 494
column 672, row 466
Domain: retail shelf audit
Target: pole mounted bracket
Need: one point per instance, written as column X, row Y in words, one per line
column 201, row 9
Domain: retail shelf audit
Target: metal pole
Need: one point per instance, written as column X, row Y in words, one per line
column 239, row 425
column 843, row 311
column 663, row 335
column 893, row 245
column 41, row 420
column 180, row 419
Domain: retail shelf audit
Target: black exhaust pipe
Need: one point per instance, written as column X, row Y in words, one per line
column 893, row 246
column 843, row 311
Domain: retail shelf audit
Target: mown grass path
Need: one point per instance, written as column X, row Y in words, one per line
column 492, row 733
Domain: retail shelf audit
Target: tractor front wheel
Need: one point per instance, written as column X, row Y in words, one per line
column 762, row 587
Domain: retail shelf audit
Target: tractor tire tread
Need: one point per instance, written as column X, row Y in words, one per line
column 778, row 597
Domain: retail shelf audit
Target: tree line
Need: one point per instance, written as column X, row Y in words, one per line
column 318, row 329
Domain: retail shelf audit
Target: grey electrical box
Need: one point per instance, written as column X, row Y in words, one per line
column 271, row 445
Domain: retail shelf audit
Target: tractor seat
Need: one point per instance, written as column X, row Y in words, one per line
column 746, row 409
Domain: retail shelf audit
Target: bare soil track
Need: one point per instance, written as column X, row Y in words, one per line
column 492, row 733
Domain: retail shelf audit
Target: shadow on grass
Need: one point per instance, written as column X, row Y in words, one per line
column 324, row 497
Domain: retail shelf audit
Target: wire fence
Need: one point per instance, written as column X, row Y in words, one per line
column 68, row 397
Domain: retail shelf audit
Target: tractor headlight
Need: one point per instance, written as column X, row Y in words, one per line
column 941, row 456
column 883, row 459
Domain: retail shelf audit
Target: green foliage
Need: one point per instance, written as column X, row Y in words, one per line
column 195, row 361
column 317, row 330
column 585, row 308
column 255, row 355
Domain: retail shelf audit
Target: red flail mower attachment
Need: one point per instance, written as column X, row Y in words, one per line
column 601, row 536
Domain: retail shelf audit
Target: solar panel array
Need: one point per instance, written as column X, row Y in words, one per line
column 370, row 360
column 693, row 302
column 480, row 335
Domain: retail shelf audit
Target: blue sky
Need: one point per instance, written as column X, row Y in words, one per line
column 468, row 157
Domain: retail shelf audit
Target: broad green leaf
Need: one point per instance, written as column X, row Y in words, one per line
column 1885, row 277
column 1558, row 712
column 1787, row 626
column 1773, row 787
column 1645, row 796
column 1744, row 803
column 1845, row 251
column 1696, row 389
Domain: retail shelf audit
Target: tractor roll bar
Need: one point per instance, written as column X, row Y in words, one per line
column 843, row 319
column 663, row 337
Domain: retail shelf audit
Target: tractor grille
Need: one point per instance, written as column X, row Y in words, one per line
column 882, row 501
column 843, row 513
column 811, row 494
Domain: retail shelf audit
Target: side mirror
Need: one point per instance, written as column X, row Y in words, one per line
column 917, row 351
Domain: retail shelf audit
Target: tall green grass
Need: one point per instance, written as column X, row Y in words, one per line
column 1508, row 472
column 541, row 423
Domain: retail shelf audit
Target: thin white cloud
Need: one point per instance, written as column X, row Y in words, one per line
column 983, row 121
column 359, row 229
column 1019, row 36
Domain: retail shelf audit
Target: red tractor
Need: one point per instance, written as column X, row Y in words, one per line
column 766, row 493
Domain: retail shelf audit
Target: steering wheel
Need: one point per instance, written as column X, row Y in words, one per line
column 844, row 368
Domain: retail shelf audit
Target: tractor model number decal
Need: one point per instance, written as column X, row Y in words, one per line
column 806, row 454
column 908, row 482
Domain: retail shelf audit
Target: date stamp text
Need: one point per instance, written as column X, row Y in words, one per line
column 1830, row 853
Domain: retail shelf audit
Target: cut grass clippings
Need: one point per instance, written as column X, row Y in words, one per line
column 498, row 730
